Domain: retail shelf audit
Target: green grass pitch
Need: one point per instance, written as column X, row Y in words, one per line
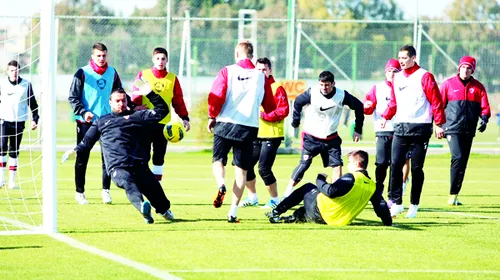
column 443, row 242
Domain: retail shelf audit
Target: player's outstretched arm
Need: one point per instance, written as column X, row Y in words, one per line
column 159, row 111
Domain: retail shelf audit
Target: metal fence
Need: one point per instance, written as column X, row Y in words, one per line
column 359, row 48
column 356, row 51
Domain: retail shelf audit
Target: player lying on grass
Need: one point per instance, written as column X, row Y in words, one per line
column 335, row 204
column 123, row 134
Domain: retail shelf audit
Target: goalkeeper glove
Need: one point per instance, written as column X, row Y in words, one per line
column 143, row 87
column 69, row 154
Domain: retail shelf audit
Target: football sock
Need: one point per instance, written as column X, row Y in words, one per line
column 233, row 210
column 12, row 171
column 157, row 171
column 252, row 196
column 288, row 191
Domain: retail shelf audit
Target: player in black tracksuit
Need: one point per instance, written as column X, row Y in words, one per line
column 124, row 140
column 466, row 102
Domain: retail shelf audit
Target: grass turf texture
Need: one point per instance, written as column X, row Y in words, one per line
column 443, row 242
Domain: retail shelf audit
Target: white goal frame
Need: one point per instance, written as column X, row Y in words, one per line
column 48, row 115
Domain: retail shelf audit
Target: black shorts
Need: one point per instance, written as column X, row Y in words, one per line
column 11, row 134
column 312, row 213
column 329, row 149
column 242, row 152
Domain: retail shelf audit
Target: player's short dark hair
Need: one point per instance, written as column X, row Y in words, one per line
column 265, row 61
column 326, row 76
column 99, row 46
column 118, row 90
column 409, row 49
column 160, row 50
column 361, row 156
column 13, row 63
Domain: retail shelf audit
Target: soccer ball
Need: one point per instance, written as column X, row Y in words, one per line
column 174, row 131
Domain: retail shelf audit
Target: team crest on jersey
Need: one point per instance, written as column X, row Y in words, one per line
column 159, row 86
column 126, row 117
column 471, row 90
column 101, row 83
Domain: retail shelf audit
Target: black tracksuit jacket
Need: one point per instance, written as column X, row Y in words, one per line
column 124, row 137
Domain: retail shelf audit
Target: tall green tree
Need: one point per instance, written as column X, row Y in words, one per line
column 476, row 35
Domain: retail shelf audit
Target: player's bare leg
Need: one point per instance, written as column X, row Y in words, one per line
column 251, row 199
column 336, row 173
column 238, row 188
column 220, row 174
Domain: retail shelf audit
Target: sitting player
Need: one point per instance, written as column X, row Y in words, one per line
column 335, row 204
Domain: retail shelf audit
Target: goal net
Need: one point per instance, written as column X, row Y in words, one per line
column 27, row 169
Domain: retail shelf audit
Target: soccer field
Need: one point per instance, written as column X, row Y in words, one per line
column 99, row 241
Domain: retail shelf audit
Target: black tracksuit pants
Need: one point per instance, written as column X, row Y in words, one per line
column 264, row 152
column 383, row 145
column 159, row 144
column 460, row 146
column 82, row 160
column 309, row 212
column 138, row 181
column 400, row 147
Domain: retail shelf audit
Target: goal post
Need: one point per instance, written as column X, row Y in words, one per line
column 48, row 114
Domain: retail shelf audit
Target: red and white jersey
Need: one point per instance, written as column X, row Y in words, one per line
column 379, row 96
column 245, row 92
column 413, row 106
column 322, row 115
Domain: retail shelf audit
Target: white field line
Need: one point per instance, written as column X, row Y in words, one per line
column 464, row 214
column 158, row 273
column 388, row 270
column 161, row 274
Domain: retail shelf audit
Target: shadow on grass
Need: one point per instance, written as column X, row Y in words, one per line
column 20, row 247
column 405, row 224
column 263, row 225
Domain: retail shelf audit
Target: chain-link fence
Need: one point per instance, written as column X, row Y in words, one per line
column 354, row 50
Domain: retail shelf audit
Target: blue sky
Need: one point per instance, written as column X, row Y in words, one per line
column 430, row 8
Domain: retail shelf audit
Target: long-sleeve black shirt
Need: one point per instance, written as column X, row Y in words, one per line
column 124, row 137
column 345, row 183
column 349, row 100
